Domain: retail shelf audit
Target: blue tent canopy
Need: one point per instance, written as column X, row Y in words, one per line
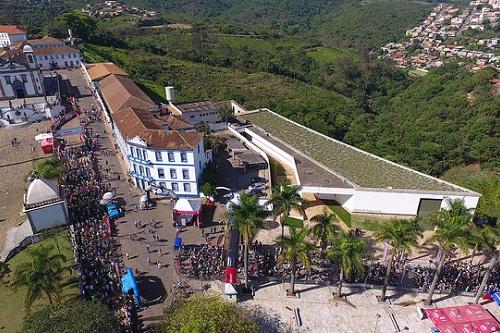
column 496, row 297
column 129, row 283
column 177, row 243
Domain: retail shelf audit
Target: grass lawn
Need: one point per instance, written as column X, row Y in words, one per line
column 259, row 43
column 343, row 214
column 294, row 222
column 12, row 302
column 325, row 55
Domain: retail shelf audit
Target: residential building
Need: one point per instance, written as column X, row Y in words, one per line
column 11, row 34
column 52, row 53
column 162, row 150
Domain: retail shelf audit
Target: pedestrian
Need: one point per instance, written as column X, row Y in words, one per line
column 106, row 162
column 118, row 177
column 126, row 255
column 147, row 247
column 158, row 263
column 159, row 251
column 148, row 260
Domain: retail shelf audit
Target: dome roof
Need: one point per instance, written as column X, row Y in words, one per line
column 27, row 49
column 41, row 190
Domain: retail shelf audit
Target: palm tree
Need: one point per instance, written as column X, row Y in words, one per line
column 4, row 270
column 285, row 197
column 296, row 249
column 43, row 275
column 247, row 217
column 452, row 231
column 402, row 236
column 324, row 228
column 489, row 242
column 348, row 252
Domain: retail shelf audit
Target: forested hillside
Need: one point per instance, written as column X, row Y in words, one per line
column 312, row 61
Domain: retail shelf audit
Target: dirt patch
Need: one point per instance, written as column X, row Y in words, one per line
column 19, row 163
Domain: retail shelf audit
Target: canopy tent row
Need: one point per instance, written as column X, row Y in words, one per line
column 463, row 319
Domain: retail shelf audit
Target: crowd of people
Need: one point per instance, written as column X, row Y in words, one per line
column 207, row 262
column 95, row 256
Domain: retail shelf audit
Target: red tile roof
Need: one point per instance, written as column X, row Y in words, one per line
column 12, row 30
column 120, row 92
column 100, row 71
column 45, row 40
column 40, row 51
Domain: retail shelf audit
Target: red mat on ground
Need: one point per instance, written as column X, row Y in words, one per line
column 463, row 319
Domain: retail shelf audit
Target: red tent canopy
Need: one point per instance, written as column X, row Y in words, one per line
column 463, row 319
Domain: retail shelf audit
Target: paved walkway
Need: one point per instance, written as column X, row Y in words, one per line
column 143, row 254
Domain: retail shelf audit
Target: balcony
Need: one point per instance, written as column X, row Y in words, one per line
column 143, row 177
column 138, row 160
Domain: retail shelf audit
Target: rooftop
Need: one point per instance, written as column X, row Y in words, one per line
column 45, row 41
column 54, row 50
column 12, row 30
column 101, row 70
column 201, row 106
column 121, row 92
column 361, row 168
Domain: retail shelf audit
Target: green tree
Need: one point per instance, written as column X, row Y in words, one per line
column 452, row 232
column 247, row 217
column 284, row 198
column 348, row 251
column 207, row 314
column 4, row 270
column 296, row 249
column 326, row 227
column 76, row 316
column 43, row 275
column 402, row 236
column 488, row 240
column 50, row 169
column 226, row 112
column 81, row 25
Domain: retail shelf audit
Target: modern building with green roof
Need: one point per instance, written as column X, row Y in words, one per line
column 361, row 182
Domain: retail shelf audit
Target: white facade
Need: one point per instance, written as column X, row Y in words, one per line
column 176, row 170
column 7, row 39
column 19, row 80
column 61, row 58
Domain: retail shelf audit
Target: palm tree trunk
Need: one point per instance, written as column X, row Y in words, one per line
column 486, row 277
column 387, row 276
column 292, row 277
column 245, row 260
column 435, row 280
column 341, row 281
column 282, row 221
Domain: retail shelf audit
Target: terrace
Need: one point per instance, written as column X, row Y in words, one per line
column 362, row 168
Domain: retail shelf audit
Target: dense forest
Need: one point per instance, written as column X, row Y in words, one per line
column 315, row 62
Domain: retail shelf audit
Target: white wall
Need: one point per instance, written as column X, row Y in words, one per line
column 398, row 203
column 62, row 60
column 47, row 217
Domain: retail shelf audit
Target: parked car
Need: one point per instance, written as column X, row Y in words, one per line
column 258, row 192
column 257, row 186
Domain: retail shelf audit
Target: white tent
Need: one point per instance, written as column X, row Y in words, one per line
column 187, row 205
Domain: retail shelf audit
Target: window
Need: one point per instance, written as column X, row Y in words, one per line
column 184, row 158
column 30, row 58
column 145, row 154
column 173, row 173
column 141, row 169
column 62, row 56
column 46, row 58
column 71, row 63
column 148, row 173
column 175, row 187
column 7, row 79
column 185, row 174
column 171, row 157
column 135, row 167
column 161, row 173
column 187, row 187
column 24, row 77
column 163, row 185
column 198, row 149
column 158, row 156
